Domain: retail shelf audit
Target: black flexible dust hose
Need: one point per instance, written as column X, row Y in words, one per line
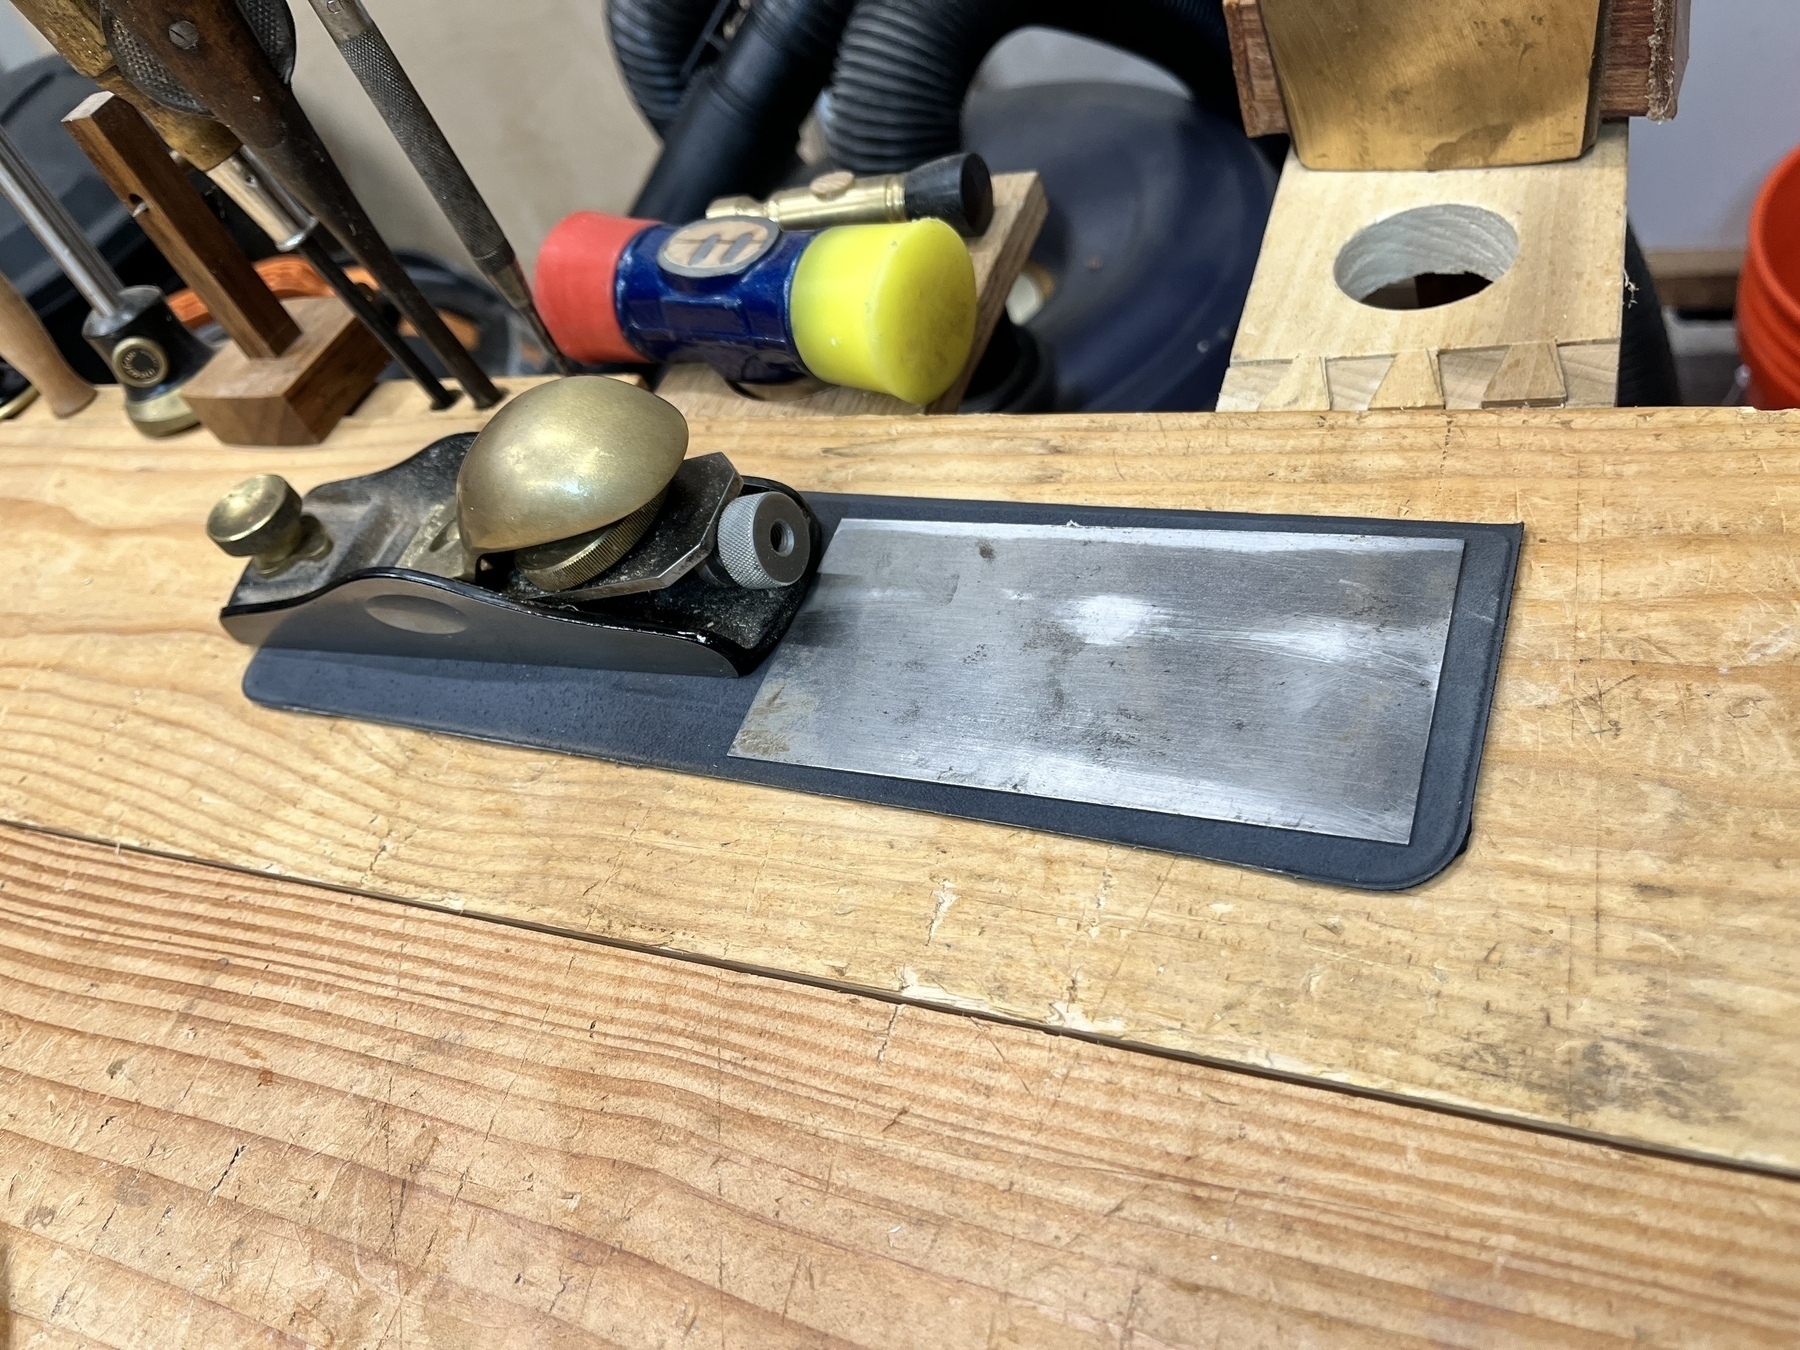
column 740, row 116
column 653, row 40
column 904, row 66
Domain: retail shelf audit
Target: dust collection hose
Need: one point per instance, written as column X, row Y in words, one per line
column 902, row 70
column 739, row 117
column 904, row 66
column 653, row 41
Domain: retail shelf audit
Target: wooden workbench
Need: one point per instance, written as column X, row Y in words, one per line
column 234, row 1104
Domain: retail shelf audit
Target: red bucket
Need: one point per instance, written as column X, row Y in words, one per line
column 1768, row 299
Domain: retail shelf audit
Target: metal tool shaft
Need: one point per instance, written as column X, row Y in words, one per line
column 73, row 27
column 211, row 49
column 292, row 230
column 57, row 231
column 394, row 95
column 258, row 197
column 141, row 341
column 313, row 249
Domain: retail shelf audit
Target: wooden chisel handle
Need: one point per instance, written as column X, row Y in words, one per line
column 32, row 352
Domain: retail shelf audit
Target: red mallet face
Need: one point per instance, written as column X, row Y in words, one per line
column 574, row 285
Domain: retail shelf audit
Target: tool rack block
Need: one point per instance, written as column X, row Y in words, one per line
column 1545, row 333
column 1643, row 57
column 1617, row 954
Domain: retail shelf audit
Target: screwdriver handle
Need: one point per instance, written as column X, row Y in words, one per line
column 31, row 351
column 73, row 28
column 201, row 141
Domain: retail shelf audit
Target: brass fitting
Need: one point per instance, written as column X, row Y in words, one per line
column 838, row 198
column 956, row 189
column 261, row 519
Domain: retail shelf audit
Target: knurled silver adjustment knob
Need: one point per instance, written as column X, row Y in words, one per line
column 764, row 541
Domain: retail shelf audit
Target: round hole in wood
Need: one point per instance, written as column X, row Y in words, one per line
column 1425, row 257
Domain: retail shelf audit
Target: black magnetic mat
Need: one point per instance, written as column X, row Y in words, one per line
column 687, row 723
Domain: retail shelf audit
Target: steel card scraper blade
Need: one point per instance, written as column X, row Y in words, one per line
column 1270, row 678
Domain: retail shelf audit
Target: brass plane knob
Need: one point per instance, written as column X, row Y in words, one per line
column 261, row 519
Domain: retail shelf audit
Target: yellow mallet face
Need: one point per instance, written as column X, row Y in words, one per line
column 889, row 308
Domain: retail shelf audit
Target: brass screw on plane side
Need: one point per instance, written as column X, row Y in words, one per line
column 261, row 519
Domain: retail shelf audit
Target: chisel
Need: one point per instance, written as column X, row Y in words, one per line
column 30, row 350
column 211, row 49
column 73, row 27
column 374, row 64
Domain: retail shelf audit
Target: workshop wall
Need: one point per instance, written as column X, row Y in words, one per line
column 528, row 94
column 1693, row 179
column 19, row 41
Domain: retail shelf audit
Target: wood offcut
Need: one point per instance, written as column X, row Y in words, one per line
column 295, row 398
column 1696, row 278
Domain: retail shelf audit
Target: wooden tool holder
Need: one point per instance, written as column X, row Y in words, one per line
column 998, row 255
column 1642, row 53
column 1485, row 178
column 291, row 370
column 1543, row 333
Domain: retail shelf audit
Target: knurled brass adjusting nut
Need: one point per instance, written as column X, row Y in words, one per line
column 256, row 516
